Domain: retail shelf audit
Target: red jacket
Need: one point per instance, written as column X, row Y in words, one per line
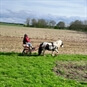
column 26, row 39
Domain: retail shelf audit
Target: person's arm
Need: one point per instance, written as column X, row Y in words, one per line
column 27, row 39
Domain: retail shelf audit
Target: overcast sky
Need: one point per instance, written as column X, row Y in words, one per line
column 17, row 11
column 55, row 7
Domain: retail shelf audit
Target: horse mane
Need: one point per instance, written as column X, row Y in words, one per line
column 58, row 43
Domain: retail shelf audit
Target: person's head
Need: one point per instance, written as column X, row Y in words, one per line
column 25, row 35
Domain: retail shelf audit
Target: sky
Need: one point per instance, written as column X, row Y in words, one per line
column 67, row 8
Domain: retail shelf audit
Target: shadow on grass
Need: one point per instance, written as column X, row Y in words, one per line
column 33, row 54
column 8, row 53
column 20, row 54
column 17, row 54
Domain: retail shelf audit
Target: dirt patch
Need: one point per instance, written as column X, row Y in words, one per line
column 11, row 39
column 76, row 70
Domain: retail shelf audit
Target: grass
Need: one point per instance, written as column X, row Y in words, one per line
column 35, row 71
column 10, row 24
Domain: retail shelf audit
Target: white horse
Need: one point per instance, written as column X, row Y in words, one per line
column 51, row 46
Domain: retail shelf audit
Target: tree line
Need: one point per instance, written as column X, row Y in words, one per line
column 42, row 23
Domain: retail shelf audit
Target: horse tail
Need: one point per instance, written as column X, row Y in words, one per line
column 40, row 49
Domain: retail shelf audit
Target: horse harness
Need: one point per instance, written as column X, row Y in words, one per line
column 51, row 47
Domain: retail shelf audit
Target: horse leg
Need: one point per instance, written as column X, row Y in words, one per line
column 52, row 53
column 43, row 51
column 56, row 51
column 40, row 50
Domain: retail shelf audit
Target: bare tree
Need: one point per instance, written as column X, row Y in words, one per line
column 28, row 22
column 41, row 23
column 85, row 22
column 61, row 25
column 34, row 22
column 52, row 23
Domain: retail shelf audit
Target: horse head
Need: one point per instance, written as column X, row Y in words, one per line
column 59, row 43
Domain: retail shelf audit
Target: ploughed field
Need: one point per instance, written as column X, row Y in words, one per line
column 11, row 37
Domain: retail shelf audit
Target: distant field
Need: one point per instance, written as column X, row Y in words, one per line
column 11, row 39
column 10, row 24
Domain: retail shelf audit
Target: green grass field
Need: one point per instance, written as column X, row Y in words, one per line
column 36, row 71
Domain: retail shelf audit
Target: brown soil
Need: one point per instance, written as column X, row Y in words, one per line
column 72, row 69
column 11, row 39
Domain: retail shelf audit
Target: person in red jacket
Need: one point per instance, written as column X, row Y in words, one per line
column 26, row 40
